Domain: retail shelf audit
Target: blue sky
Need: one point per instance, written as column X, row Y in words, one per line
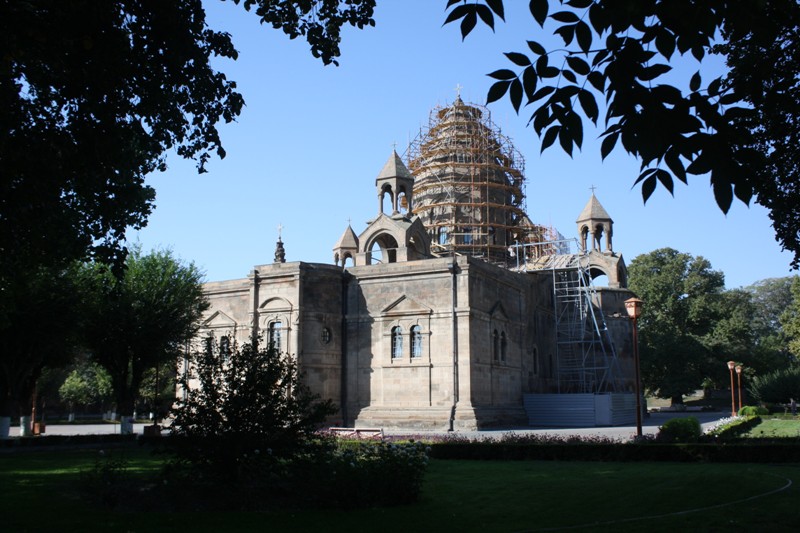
column 311, row 140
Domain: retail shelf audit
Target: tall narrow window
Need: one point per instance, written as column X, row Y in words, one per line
column 225, row 348
column 275, row 335
column 467, row 238
column 495, row 346
column 503, row 346
column 397, row 342
column 416, row 341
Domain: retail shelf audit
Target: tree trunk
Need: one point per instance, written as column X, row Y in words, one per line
column 676, row 400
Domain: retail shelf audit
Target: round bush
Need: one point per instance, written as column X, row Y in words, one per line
column 680, row 430
column 753, row 410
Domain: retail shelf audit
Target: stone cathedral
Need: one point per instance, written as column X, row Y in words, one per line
column 451, row 309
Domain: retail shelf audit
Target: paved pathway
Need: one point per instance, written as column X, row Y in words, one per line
column 80, row 429
column 650, row 425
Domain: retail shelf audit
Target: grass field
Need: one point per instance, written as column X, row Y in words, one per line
column 776, row 427
column 42, row 491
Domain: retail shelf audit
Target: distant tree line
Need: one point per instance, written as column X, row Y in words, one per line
column 691, row 326
column 91, row 336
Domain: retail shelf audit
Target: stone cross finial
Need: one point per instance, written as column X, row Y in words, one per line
column 280, row 228
column 592, row 189
column 458, row 90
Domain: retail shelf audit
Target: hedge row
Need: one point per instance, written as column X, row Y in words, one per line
column 65, row 440
column 736, row 428
column 724, row 452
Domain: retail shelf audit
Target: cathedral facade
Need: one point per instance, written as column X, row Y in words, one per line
column 429, row 322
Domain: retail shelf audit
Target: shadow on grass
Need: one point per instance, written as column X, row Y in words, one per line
column 42, row 491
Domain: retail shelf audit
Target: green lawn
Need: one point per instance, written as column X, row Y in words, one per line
column 776, row 427
column 42, row 491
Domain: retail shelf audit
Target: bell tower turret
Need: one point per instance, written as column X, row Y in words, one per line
column 396, row 181
column 593, row 223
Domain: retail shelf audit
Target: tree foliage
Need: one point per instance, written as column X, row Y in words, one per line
column 741, row 128
column 320, row 21
column 157, row 389
column 94, row 94
column 691, row 326
column 681, row 297
column 779, row 386
column 41, row 332
column 142, row 319
column 770, row 298
column 790, row 319
column 86, row 384
column 243, row 400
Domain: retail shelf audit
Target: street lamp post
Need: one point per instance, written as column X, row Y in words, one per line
column 634, row 308
column 739, row 377
column 731, row 366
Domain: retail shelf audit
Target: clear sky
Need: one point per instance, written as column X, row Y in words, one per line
column 311, row 140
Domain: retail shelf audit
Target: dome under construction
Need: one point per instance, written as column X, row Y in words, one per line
column 469, row 185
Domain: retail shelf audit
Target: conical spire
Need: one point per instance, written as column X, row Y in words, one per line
column 348, row 239
column 346, row 246
column 394, row 168
column 593, row 211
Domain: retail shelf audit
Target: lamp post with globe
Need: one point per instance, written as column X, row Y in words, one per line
column 634, row 308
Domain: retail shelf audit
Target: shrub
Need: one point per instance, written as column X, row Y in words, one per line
column 680, row 430
column 248, row 414
column 246, row 438
column 753, row 410
column 108, row 481
column 733, row 428
column 364, row 474
column 777, row 387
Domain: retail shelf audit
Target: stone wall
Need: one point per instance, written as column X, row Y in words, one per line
column 339, row 324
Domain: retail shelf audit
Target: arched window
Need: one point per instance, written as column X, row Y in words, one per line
column 495, row 346
column 503, row 346
column 275, row 335
column 443, row 238
column 225, row 348
column 416, row 341
column 397, row 342
column 402, row 202
column 584, row 238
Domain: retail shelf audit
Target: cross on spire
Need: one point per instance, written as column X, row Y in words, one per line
column 592, row 188
column 458, row 90
column 394, row 146
column 280, row 228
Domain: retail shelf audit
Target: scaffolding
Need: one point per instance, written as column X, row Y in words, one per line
column 586, row 359
column 468, row 191
column 468, row 186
